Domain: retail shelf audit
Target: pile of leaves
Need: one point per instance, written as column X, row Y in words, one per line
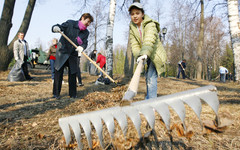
column 29, row 116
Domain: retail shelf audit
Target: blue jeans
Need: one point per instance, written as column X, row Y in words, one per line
column 52, row 67
column 223, row 77
column 151, row 80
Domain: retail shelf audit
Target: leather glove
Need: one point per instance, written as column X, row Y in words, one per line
column 143, row 57
column 56, row 29
column 79, row 50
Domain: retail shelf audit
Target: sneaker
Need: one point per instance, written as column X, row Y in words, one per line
column 55, row 96
column 80, row 84
column 29, row 78
column 73, row 97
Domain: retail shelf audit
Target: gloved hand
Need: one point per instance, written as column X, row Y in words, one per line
column 20, row 61
column 79, row 50
column 56, row 29
column 143, row 57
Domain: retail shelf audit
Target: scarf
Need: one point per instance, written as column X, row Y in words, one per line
column 81, row 27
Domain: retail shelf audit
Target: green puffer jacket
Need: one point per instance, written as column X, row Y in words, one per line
column 151, row 46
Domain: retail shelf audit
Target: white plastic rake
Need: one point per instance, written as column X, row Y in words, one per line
column 147, row 108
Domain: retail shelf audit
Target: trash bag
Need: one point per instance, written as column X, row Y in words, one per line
column 92, row 69
column 16, row 73
column 102, row 80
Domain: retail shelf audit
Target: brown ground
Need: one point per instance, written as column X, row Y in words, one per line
column 29, row 116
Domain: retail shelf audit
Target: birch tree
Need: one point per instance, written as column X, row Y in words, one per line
column 109, row 41
column 234, row 25
column 6, row 51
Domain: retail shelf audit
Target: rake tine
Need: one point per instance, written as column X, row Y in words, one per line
column 133, row 113
column 146, row 107
column 196, row 105
column 97, row 123
column 149, row 115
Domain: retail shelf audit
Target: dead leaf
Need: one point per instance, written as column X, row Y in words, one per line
column 180, row 130
column 41, row 136
column 74, row 145
column 189, row 135
column 210, row 125
column 95, row 144
column 34, row 124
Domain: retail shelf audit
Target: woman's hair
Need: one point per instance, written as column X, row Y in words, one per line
column 134, row 7
column 85, row 16
column 99, row 53
column 55, row 39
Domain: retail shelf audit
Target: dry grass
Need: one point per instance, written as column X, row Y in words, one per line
column 29, row 116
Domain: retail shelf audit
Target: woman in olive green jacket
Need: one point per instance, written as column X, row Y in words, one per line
column 147, row 46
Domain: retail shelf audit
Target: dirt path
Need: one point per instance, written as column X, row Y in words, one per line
column 29, row 116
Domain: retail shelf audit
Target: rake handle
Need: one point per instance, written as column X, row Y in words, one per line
column 136, row 77
column 69, row 40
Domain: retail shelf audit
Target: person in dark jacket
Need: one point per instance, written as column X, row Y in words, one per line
column 181, row 68
column 92, row 69
column 67, row 55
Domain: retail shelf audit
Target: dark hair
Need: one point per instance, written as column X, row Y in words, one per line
column 134, row 7
column 85, row 16
column 20, row 32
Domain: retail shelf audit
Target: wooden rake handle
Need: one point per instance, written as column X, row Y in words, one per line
column 70, row 41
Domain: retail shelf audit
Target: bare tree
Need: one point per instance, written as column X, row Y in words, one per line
column 99, row 23
column 200, row 42
column 234, row 25
column 6, row 51
column 109, row 41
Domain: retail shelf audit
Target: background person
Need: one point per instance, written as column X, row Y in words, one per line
column 147, row 46
column 181, row 68
column 223, row 71
column 51, row 55
column 91, row 68
column 67, row 55
column 21, row 53
column 102, row 61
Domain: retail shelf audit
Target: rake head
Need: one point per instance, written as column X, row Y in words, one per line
column 160, row 105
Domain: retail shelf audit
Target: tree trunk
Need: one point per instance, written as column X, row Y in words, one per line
column 6, row 51
column 5, row 26
column 234, row 25
column 200, row 44
column 129, row 61
column 109, row 41
column 95, row 35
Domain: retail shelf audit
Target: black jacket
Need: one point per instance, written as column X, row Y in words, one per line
column 92, row 55
column 65, row 50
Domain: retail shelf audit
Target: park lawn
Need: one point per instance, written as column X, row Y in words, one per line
column 29, row 116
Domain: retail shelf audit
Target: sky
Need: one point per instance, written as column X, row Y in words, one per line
column 50, row 12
